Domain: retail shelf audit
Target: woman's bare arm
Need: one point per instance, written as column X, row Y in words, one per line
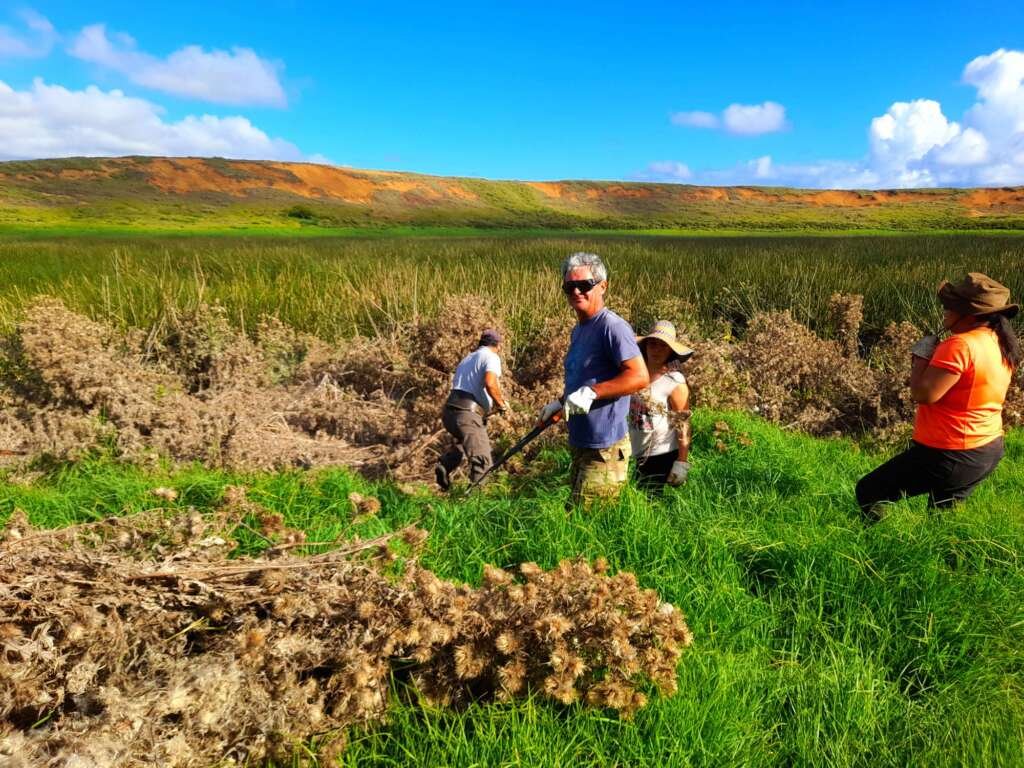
column 679, row 416
column 928, row 383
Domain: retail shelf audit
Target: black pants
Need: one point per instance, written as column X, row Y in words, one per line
column 652, row 473
column 947, row 477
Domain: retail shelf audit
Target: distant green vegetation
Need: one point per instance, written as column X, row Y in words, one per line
column 817, row 641
column 499, row 209
column 337, row 287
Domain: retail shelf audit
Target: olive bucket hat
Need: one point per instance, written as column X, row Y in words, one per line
column 664, row 331
column 977, row 294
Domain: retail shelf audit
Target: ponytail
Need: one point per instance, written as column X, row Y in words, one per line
column 1008, row 343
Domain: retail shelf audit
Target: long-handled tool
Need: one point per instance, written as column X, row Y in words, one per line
column 524, row 441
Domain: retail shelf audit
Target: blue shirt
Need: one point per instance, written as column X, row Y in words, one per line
column 597, row 349
column 470, row 375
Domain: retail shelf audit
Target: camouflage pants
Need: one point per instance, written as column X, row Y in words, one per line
column 598, row 472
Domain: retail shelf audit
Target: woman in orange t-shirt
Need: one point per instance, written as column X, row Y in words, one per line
column 959, row 385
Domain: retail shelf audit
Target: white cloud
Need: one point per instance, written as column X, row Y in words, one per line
column 665, row 170
column 999, row 112
column 52, row 121
column 762, row 167
column 914, row 144
column 968, row 147
column 694, row 119
column 739, row 119
column 237, row 77
column 37, row 40
column 904, row 135
column 754, row 119
column 764, row 171
column 997, row 76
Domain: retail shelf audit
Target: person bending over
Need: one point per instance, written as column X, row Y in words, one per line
column 475, row 392
column 959, row 385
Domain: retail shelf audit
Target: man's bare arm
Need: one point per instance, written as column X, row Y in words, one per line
column 494, row 390
column 632, row 378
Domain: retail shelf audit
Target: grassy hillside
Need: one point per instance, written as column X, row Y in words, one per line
column 193, row 194
column 818, row 641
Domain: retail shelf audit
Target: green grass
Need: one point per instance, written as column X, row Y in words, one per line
column 818, row 641
column 298, row 230
column 337, row 287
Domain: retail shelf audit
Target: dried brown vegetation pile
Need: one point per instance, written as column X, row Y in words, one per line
column 197, row 388
column 823, row 386
column 134, row 641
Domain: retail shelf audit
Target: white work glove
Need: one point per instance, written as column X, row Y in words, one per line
column 925, row 348
column 579, row 402
column 549, row 410
column 679, row 472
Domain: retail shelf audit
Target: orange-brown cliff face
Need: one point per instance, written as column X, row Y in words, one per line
column 339, row 193
column 240, row 178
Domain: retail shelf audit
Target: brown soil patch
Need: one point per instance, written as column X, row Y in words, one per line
column 325, row 181
column 417, row 189
column 704, row 193
column 837, row 198
column 456, row 190
column 1005, row 199
column 191, row 175
column 840, row 198
column 71, row 174
column 749, row 193
column 619, row 191
column 549, row 188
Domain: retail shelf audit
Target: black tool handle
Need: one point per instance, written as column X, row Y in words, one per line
column 522, row 443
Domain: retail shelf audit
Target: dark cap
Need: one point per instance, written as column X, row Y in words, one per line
column 490, row 337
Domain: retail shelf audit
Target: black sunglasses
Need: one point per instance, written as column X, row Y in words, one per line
column 583, row 286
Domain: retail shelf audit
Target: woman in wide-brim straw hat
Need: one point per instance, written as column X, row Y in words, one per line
column 659, row 428
column 959, row 385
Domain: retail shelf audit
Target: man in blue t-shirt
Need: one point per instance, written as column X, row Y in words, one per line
column 603, row 367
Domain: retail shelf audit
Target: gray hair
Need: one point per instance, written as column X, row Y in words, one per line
column 583, row 259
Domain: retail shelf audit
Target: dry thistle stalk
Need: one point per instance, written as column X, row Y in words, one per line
column 846, row 313
column 573, row 633
column 138, row 641
column 197, row 389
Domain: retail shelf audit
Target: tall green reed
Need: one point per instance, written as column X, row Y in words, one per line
column 342, row 287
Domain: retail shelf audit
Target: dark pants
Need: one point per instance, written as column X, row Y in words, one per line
column 652, row 473
column 947, row 477
column 471, row 441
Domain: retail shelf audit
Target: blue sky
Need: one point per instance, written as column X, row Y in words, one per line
column 778, row 93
